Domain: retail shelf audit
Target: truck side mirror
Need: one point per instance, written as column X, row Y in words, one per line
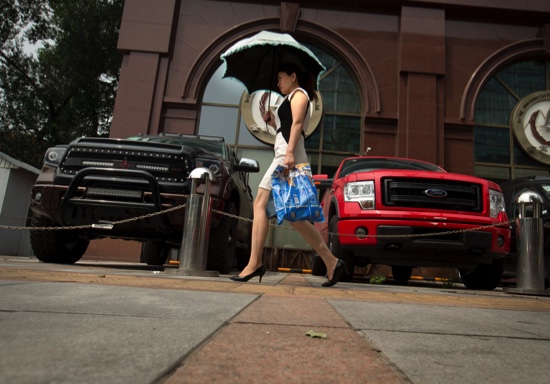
column 322, row 182
column 247, row 165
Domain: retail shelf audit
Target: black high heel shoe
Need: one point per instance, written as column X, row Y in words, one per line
column 338, row 270
column 258, row 272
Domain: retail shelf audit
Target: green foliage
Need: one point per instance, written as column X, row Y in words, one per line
column 377, row 279
column 67, row 88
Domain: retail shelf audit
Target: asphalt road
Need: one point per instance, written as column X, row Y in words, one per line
column 126, row 323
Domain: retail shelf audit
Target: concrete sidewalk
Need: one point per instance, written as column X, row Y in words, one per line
column 95, row 323
column 267, row 343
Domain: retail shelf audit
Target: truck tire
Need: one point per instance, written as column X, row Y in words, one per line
column 401, row 274
column 154, row 252
column 56, row 246
column 484, row 276
column 334, row 246
column 222, row 242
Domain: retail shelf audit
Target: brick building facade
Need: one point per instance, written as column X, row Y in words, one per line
column 437, row 80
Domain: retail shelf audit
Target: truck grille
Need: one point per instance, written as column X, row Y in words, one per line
column 412, row 193
column 163, row 165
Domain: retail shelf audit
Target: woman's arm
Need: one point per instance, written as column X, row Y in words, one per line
column 298, row 106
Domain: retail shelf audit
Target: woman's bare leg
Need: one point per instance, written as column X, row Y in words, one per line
column 314, row 238
column 260, row 226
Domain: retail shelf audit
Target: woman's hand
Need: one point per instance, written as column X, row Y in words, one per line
column 289, row 160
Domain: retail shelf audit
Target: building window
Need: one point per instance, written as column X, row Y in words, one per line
column 497, row 155
column 339, row 134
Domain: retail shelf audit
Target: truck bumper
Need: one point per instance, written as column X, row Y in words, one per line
column 430, row 243
column 47, row 201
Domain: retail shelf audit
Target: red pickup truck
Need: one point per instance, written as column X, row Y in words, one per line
column 409, row 213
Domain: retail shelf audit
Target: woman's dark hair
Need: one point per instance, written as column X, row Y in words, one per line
column 305, row 79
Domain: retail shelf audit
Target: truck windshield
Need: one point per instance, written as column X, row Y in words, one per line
column 369, row 165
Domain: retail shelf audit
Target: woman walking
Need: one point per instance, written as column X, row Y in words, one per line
column 291, row 120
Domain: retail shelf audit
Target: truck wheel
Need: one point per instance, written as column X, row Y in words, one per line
column 56, row 246
column 222, row 242
column 401, row 274
column 154, row 252
column 334, row 246
column 484, row 276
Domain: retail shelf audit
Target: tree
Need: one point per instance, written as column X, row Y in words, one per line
column 68, row 88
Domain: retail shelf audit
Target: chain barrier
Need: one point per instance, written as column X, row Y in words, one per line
column 110, row 225
column 380, row 236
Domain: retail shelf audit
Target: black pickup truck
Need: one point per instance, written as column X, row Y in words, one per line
column 94, row 182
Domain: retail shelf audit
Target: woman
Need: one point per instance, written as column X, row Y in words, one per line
column 291, row 120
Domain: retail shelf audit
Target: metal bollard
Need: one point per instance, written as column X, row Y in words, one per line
column 194, row 244
column 529, row 247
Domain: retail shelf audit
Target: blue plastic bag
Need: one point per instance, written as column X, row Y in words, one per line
column 295, row 195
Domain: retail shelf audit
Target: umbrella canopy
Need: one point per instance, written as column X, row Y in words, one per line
column 254, row 61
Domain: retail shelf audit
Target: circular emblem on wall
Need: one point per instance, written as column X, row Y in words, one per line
column 531, row 125
column 255, row 105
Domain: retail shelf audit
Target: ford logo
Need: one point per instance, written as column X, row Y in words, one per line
column 434, row 192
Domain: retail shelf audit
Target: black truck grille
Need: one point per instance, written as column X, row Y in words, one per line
column 432, row 194
column 163, row 165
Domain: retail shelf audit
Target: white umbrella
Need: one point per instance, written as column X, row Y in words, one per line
column 253, row 61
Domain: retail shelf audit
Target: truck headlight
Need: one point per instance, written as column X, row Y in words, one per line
column 54, row 156
column 213, row 165
column 496, row 200
column 362, row 192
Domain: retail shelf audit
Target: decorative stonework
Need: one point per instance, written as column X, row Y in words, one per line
column 290, row 12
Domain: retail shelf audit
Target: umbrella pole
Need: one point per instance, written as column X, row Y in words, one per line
column 270, row 87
